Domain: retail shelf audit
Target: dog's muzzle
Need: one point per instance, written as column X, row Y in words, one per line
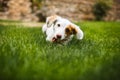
column 58, row 39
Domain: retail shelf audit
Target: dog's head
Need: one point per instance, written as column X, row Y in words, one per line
column 64, row 30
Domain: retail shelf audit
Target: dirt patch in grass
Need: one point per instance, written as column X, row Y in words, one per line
column 24, row 24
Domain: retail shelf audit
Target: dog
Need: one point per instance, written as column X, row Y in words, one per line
column 61, row 30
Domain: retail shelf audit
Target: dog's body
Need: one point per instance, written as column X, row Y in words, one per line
column 61, row 30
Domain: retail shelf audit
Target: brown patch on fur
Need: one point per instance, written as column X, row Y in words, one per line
column 70, row 30
column 52, row 18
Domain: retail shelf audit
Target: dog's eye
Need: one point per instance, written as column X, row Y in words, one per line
column 58, row 25
column 67, row 30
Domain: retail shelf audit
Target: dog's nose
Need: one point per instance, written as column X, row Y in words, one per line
column 58, row 36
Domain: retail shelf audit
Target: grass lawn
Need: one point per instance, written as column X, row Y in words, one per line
column 25, row 55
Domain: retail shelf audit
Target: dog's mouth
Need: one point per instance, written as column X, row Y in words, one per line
column 54, row 39
column 57, row 40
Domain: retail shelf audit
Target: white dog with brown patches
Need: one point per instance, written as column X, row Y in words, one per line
column 61, row 30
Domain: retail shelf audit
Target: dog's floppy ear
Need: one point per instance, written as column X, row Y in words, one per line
column 77, row 31
column 44, row 27
column 69, row 30
column 50, row 20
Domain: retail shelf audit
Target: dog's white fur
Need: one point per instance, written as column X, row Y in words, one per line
column 56, row 25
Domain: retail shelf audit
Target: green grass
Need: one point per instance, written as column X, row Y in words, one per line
column 25, row 55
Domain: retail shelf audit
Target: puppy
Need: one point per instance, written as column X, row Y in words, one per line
column 61, row 30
